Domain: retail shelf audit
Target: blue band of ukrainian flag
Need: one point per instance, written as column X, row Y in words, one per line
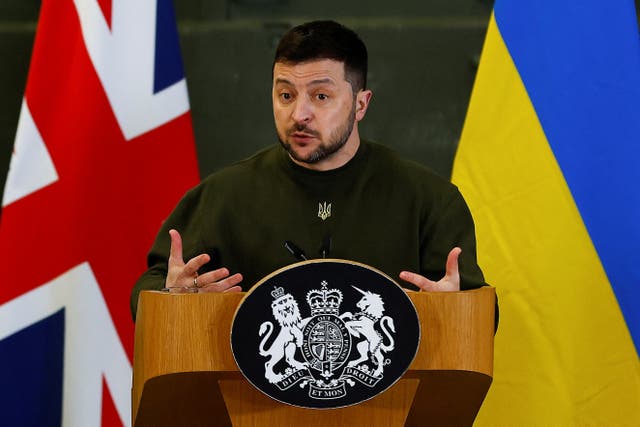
column 547, row 164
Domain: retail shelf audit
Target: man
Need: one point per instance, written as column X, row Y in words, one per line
column 323, row 187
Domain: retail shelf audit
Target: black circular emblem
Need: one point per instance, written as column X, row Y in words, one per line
column 325, row 334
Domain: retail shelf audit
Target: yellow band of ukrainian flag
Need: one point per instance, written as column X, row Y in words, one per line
column 564, row 351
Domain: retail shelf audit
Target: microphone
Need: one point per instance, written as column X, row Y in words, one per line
column 295, row 251
column 325, row 248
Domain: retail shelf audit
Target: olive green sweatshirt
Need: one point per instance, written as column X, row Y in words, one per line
column 378, row 209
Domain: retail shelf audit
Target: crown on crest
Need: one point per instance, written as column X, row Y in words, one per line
column 324, row 301
column 277, row 292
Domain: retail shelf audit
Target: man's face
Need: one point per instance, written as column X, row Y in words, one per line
column 315, row 110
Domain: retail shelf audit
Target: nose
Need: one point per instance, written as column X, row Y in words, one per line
column 302, row 111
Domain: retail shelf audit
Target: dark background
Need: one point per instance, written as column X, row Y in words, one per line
column 423, row 59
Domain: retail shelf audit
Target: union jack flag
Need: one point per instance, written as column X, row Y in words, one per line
column 103, row 151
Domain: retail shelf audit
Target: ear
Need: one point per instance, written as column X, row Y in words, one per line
column 363, row 98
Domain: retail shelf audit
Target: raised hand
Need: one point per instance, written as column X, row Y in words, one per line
column 183, row 276
column 449, row 283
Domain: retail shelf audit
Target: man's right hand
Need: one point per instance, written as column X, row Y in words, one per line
column 181, row 275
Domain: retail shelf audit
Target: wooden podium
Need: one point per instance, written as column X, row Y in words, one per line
column 184, row 373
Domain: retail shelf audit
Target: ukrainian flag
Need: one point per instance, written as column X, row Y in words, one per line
column 549, row 162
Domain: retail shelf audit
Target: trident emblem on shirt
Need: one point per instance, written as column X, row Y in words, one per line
column 324, row 210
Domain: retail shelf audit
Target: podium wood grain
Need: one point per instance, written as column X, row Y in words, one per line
column 185, row 374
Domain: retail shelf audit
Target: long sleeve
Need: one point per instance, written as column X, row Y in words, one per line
column 449, row 225
column 185, row 218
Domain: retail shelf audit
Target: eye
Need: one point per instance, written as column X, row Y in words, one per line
column 286, row 96
column 322, row 96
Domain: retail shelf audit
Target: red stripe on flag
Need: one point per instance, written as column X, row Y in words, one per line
column 110, row 417
column 105, row 6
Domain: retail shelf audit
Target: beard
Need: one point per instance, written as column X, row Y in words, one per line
column 336, row 141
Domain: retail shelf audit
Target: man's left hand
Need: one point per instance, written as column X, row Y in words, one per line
column 449, row 283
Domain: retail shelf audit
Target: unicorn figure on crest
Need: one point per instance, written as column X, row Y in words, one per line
column 363, row 324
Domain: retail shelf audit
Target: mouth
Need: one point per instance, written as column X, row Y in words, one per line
column 302, row 136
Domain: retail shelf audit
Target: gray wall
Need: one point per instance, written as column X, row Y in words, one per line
column 423, row 56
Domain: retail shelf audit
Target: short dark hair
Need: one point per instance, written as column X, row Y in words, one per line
column 326, row 40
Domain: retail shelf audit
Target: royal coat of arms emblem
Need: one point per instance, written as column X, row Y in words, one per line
column 329, row 345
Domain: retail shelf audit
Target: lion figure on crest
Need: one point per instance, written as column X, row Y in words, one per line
column 285, row 311
column 363, row 323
